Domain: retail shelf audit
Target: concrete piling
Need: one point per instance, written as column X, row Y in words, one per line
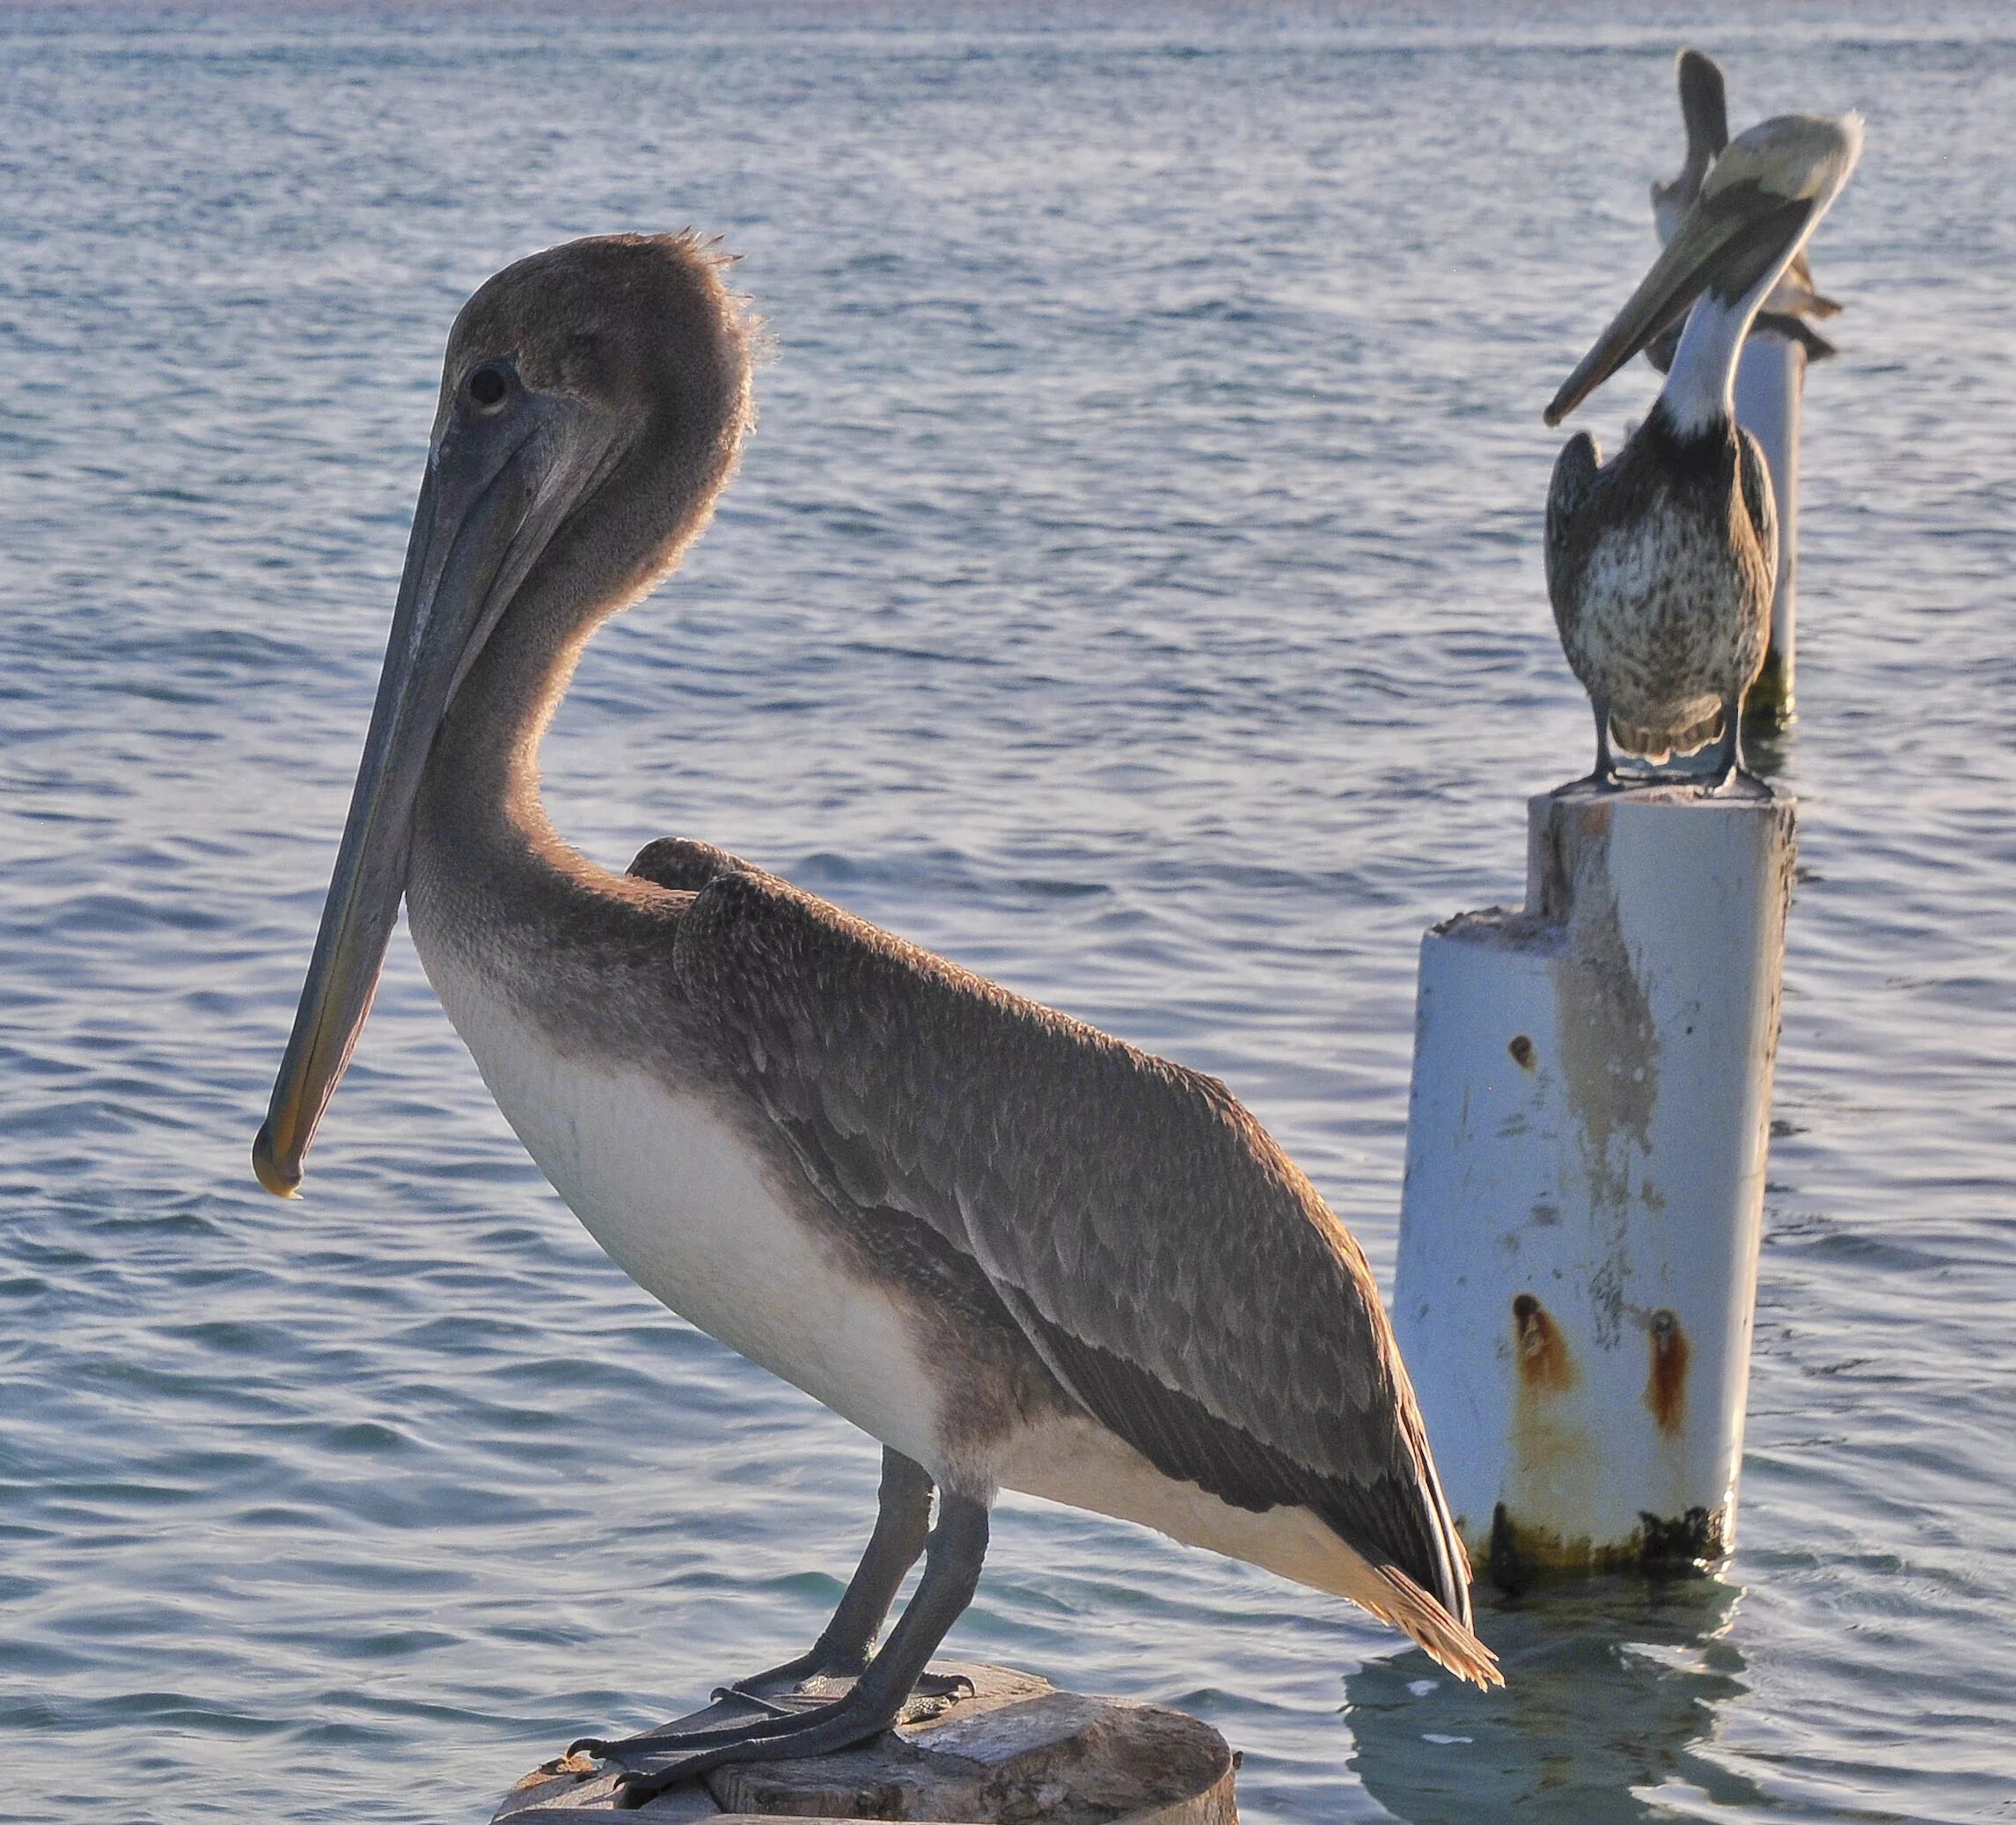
column 1771, row 382
column 1585, row 1149
column 1009, row 1749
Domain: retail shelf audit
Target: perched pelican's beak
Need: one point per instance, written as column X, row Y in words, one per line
column 506, row 467
column 1761, row 199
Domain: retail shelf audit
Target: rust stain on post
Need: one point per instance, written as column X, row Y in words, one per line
column 1521, row 1051
column 1544, row 1363
column 1552, row 1455
column 1666, row 1385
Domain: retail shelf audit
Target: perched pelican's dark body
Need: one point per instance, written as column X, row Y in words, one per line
column 1793, row 302
column 1661, row 563
column 1019, row 1253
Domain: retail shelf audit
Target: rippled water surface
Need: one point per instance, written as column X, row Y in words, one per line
column 1133, row 590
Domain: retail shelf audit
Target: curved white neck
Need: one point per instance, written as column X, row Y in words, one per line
column 1701, row 385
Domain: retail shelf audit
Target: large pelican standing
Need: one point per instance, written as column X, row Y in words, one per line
column 1019, row 1253
column 1660, row 564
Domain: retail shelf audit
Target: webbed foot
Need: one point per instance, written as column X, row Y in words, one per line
column 821, row 1730
column 838, row 1724
column 777, row 1693
column 774, row 1687
column 1736, row 778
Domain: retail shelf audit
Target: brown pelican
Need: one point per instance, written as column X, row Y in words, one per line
column 1794, row 300
column 1660, row 564
column 1019, row 1253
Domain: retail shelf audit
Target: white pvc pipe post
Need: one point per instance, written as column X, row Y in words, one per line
column 1770, row 380
column 1586, row 1147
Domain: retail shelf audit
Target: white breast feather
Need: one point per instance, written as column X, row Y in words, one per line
column 682, row 1204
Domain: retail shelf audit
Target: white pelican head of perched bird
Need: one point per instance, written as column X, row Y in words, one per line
column 1019, row 1253
column 1793, row 302
column 1660, row 564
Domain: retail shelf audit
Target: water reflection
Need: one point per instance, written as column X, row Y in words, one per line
column 1767, row 746
column 1612, row 1692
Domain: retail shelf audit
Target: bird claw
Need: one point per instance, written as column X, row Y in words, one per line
column 634, row 1790
column 942, row 1685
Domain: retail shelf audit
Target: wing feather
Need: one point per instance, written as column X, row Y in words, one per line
column 1760, row 502
column 1137, row 1223
column 1569, row 491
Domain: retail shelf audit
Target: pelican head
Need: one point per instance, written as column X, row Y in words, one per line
column 1760, row 201
column 1706, row 110
column 593, row 402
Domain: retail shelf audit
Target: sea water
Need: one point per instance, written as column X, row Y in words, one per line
column 1133, row 590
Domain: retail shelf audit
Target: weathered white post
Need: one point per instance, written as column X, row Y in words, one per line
column 1771, row 382
column 1586, row 1151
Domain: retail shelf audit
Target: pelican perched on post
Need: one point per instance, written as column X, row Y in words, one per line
column 1660, row 564
column 1704, row 113
column 1020, row 1253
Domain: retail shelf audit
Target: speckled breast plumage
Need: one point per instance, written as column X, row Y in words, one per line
column 1660, row 566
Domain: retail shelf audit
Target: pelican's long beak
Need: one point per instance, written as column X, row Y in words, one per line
column 1763, row 198
column 495, row 490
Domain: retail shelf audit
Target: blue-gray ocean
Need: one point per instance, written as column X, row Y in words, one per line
column 1132, row 590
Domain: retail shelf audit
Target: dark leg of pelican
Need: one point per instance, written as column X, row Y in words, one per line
column 1606, row 773
column 902, row 1526
column 952, row 1558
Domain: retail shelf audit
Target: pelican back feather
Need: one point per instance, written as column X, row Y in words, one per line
column 1181, row 1278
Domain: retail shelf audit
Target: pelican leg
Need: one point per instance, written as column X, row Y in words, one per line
column 1728, row 762
column 1606, row 773
column 952, row 1560
column 902, row 1521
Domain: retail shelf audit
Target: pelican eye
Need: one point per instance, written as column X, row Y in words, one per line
column 488, row 387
